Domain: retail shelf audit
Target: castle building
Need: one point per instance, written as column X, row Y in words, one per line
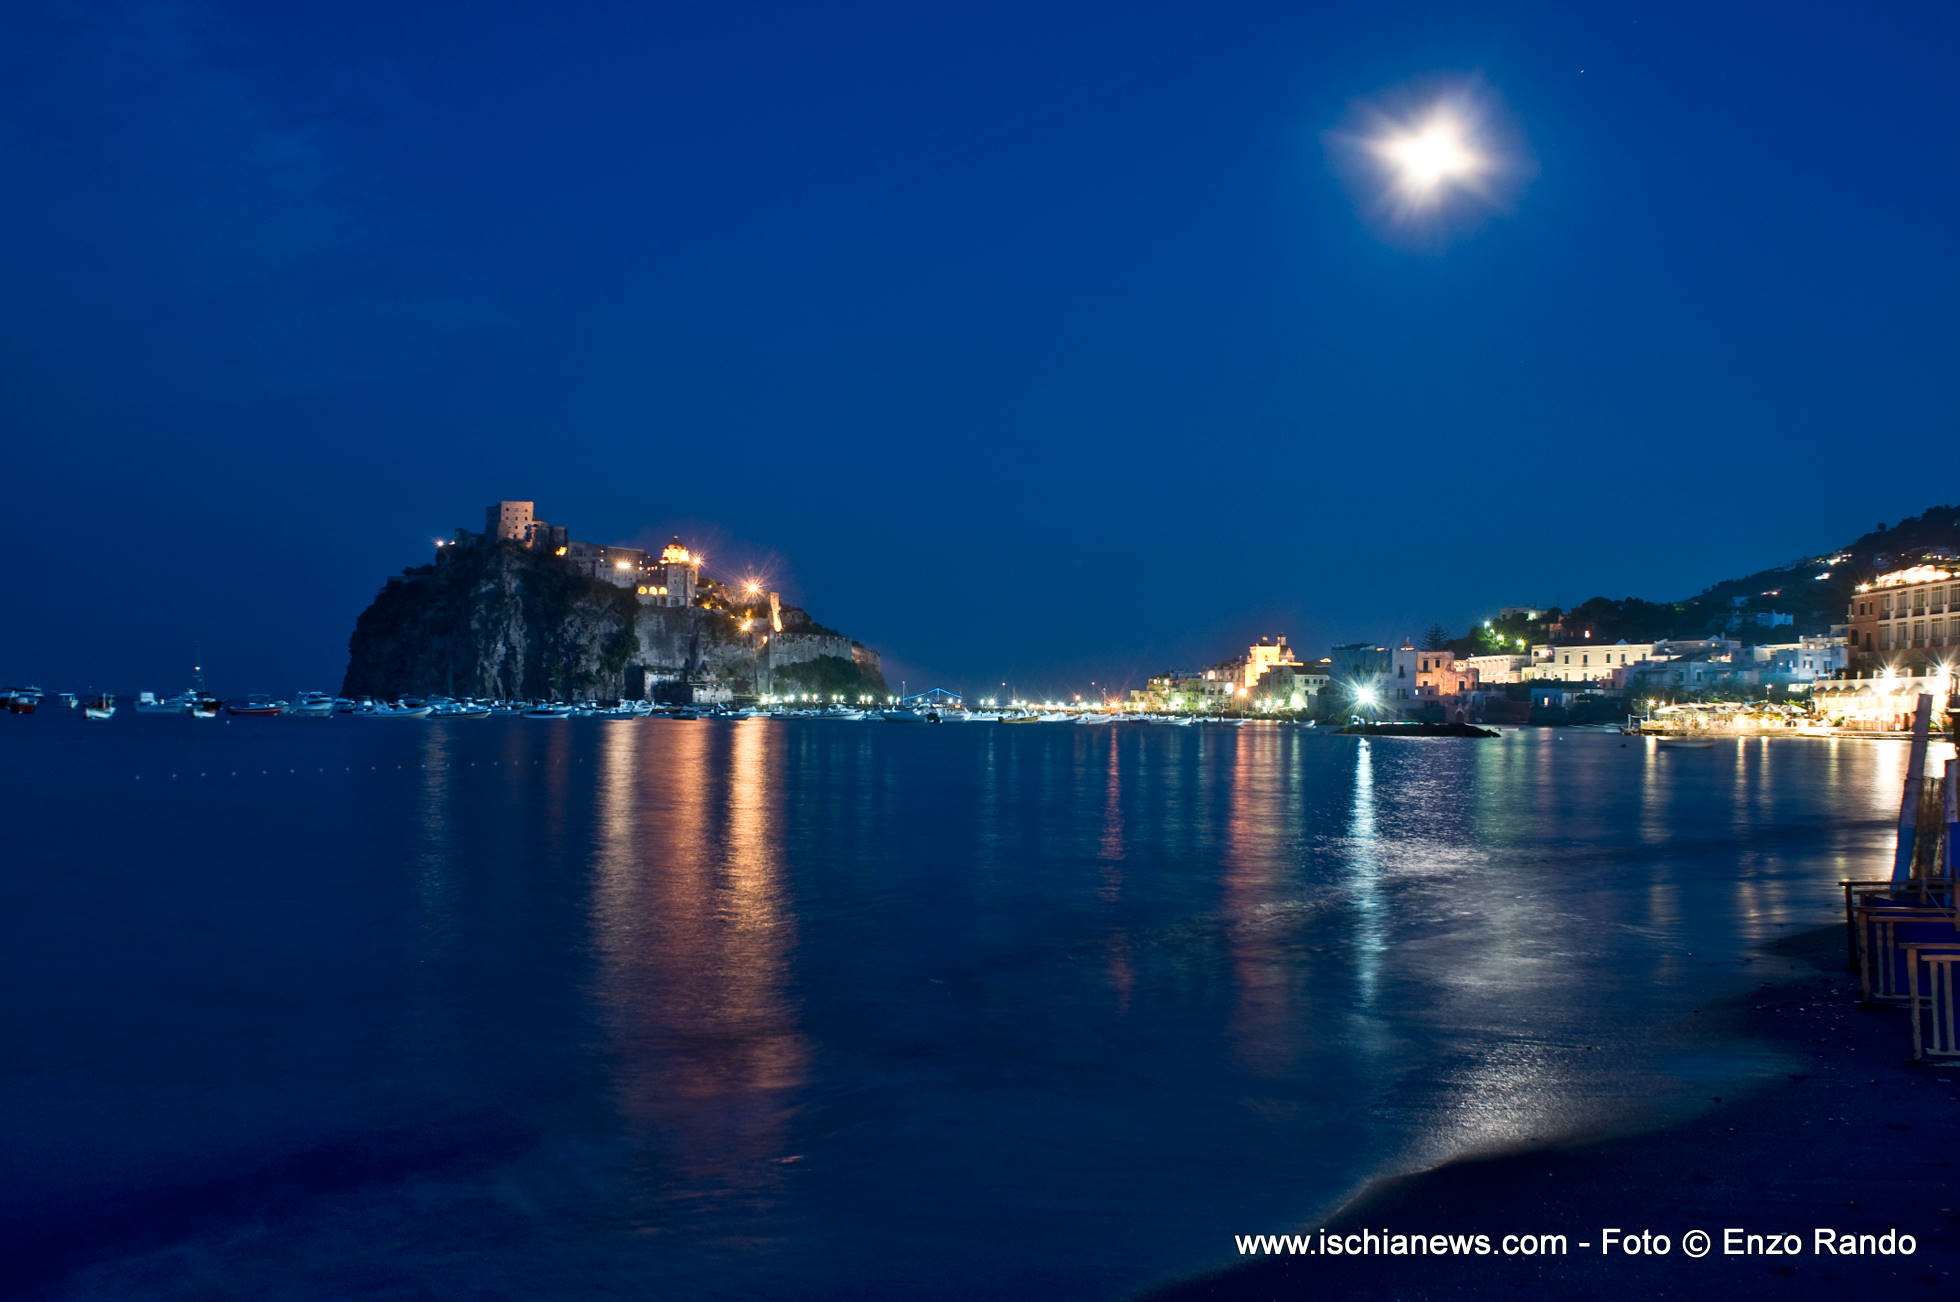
column 518, row 522
column 510, row 520
column 671, row 579
column 625, row 566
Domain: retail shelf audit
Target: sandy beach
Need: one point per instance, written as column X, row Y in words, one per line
column 1853, row 1138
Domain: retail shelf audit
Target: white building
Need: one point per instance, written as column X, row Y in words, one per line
column 1401, row 682
column 1496, row 669
column 1588, row 662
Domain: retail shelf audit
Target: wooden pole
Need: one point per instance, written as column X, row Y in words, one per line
column 1952, row 820
column 1922, row 723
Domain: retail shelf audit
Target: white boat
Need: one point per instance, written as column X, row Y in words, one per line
column 312, row 705
column 549, row 712
column 394, row 712
column 461, row 710
column 102, row 706
column 147, row 703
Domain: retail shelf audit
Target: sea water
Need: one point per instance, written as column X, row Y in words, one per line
column 792, row 1008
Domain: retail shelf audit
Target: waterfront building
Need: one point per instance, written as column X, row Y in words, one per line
column 1442, row 676
column 1907, row 616
column 1797, row 664
column 1178, row 691
column 1879, row 700
column 1695, row 671
column 1492, row 670
column 1264, row 656
column 1587, row 662
column 1355, row 662
column 1400, row 682
column 1290, row 686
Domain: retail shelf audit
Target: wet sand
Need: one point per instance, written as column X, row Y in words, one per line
column 1853, row 1138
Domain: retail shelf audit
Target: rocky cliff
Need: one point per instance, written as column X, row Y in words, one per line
column 497, row 620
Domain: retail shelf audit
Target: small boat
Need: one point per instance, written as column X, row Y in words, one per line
column 461, row 710
column 147, row 703
column 312, row 705
column 394, row 712
column 68, row 699
column 100, row 706
column 549, row 712
column 258, row 706
column 205, row 706
column 22, row 700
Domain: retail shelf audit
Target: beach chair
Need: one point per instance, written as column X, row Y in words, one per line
column 1933, row 893
column 1891, row 939
column 1940, row 1042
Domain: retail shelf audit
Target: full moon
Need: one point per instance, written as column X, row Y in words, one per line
column 1430, row 160
column 1428, row 157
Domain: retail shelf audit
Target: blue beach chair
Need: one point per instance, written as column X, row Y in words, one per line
column 1940, row 1041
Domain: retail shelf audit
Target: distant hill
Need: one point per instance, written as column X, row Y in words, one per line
column 1813, row 590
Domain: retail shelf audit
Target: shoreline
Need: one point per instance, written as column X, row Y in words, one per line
column 1852, row 1138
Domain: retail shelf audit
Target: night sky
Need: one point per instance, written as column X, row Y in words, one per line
column 1042, row 343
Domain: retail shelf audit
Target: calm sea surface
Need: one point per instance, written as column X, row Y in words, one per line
column 774, row 1008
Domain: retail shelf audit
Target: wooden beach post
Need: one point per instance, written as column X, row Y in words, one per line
column 1952, row 812
column 1922, row 723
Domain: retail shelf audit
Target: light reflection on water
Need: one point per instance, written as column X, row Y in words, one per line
column 766, row 1008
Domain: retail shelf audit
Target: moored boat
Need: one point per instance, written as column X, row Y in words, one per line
column 22, row 700
column 394, row 712
column 256, row 706
column 102, row 705
column 147, row 703
column 549, row 712
column 312, row 705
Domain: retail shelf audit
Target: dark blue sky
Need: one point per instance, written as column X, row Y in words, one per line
column 1036, row 341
